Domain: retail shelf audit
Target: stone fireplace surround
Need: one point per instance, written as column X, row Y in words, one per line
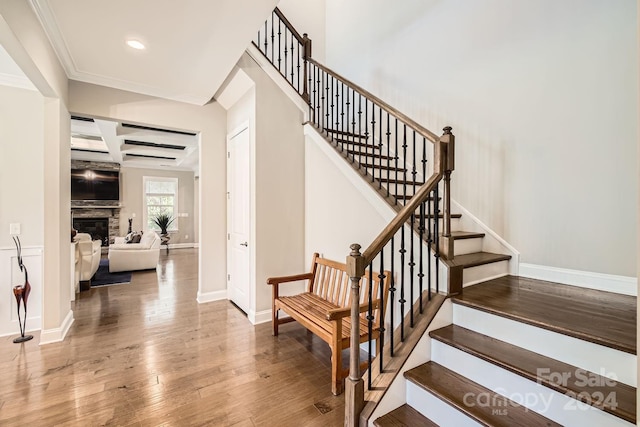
column 98, row 209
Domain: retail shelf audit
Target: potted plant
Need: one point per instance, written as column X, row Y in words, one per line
column 163, row 221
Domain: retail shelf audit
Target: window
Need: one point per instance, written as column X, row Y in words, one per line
column 161, row 197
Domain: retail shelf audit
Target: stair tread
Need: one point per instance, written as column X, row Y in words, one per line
column 344, row 133
column 410, row 196
column 366, row 154
column 461, row 235
column 385, row 167
column 399, row 181
column 600, row 317
column 455, row 390
column 477, row 258
column 355, row 143
column 404, row 416
column 527, row 364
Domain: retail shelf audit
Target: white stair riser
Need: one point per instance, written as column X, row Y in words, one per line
column 582, row 354
column 484, row 272
column 467, row 246
column 435, row 409
column 556, row 406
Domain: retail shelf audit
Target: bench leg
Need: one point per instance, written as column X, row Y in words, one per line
column 336, row 359
column 274, row 320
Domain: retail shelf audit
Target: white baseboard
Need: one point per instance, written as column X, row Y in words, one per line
column 584, row 279
column 257, row 317
column 180, row 245
column 204, row 297
column 49, row 336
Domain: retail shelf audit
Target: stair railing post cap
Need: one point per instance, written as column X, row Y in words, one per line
column 355, row 249
column 447, row 129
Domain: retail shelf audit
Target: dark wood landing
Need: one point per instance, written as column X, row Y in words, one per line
column 475, row 259
column 456, row 390
column 356, row 144
column 367, row 154
column 383, row 166
column 527, row 364
column 600, row 317
column 404, row 416
column 344, row 133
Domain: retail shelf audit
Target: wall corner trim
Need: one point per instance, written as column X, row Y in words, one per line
column 50, row 336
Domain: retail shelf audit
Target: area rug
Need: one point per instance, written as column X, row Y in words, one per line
column 104, row 278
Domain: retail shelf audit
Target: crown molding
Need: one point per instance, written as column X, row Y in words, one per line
column 21, row 82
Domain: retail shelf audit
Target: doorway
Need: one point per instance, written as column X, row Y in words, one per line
column 238, row 218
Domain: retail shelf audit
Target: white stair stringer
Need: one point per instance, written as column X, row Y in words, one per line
column 593, row 357
column 396, row 394
column 556, row 406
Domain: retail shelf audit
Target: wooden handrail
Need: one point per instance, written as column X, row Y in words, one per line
column 420, row 197
column 426, row 133
column 289, row 26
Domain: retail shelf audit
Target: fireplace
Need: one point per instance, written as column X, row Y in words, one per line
column 98, row 228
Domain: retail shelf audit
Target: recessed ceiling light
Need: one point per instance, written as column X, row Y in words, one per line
column 135, row 44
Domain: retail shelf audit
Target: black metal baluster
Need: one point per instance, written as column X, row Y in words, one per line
column 381, row 150
column 347, row 121
column 266, row 42
column 414, row 172
column 318, row 101
column 332, row 113
column 402, row 300
column 404, row 165
column 429, row 242
column 273, row 38
column 388, row 154
column 279, row 44
column 286, row 52
column 373, row 142
column 366, row 129
column 343, row 137
column 295, row 82
column 424, row 160
column 392, row 290
column 360, row 130
column 258, row 40
column 436, row 237
column 382, row 278
column 412, row 264
column 421, row 242
column 396, row 159
column 370, row 316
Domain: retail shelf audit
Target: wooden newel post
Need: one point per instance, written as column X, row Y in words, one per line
column 354, row 386
column 306, row 54
column 446, row 242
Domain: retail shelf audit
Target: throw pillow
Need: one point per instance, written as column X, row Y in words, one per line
column 136, row 238
column 128, row 237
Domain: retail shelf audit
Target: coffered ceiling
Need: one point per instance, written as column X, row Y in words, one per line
column 190, row 45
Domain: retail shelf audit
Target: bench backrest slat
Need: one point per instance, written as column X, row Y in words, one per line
column 331, row 282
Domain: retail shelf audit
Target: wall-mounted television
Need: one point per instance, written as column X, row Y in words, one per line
column 88, row 184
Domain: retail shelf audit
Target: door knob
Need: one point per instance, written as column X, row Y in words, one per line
column 245, row 244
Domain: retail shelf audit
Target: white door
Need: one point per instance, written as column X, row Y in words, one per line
column 238, row 219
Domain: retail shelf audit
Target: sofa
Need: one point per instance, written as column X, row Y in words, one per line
column 89, row 253
column 144, row 255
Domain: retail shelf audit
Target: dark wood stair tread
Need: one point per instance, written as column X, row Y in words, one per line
column 344, row 133
column 353, row 143
column 455, row 390
column 462, row 235
column 404, row 416
column 527, row 364
column 383, row 166
column 366, row 154
column 477, row 258
column 399, row 181
column 600, row 317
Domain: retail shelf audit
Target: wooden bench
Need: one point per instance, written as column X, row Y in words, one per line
column 326, row 307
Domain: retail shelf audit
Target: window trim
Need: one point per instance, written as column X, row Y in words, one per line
column 145, row 208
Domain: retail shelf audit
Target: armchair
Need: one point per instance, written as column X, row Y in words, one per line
column 89, row 252
column 135, row 256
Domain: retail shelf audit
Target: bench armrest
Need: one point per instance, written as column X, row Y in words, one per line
column 339, row 313
column 284, row 279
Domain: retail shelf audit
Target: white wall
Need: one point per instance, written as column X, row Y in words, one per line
column 133, row 201
column 21, row 201
column 210, row 122
column 543, row 100
column 308, row 16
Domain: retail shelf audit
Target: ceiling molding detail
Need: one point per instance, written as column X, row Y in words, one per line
column 21, row 82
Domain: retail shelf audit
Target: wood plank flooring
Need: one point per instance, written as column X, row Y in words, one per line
column 601, row 317
column 148, row 354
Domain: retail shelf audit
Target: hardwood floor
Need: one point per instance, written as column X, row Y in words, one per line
column 147, row 354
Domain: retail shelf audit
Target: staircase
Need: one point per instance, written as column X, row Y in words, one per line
column 523, row 352
column 515, row 351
